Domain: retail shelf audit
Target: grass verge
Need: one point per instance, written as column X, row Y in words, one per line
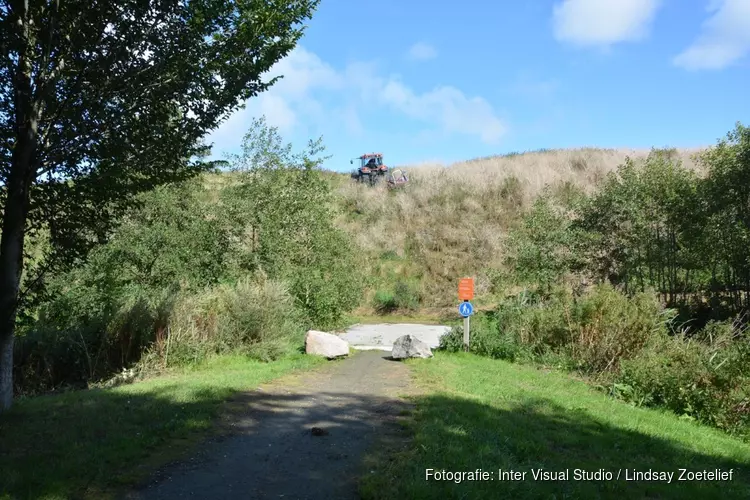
column 479, row 413
column 88, row 444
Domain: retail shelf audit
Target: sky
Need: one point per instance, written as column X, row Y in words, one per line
column 444, row 81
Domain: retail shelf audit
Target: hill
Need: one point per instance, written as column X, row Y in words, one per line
column 451, row 221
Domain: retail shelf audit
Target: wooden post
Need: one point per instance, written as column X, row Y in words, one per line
column 466, row 333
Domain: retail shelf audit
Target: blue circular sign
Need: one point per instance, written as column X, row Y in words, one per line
column 465, row 309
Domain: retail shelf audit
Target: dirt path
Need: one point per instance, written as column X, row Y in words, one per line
column 272, row 452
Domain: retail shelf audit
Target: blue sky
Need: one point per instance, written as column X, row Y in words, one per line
column 424, row 81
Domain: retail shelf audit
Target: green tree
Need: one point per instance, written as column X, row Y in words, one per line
column 639, row 233
column 100, row 100
column 725, row 193
column 286, row 203
column 542, row 249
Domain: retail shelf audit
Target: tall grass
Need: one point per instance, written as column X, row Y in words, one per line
column 255, row 318
column 451, row 221
column 259, row 320
column 625, row 346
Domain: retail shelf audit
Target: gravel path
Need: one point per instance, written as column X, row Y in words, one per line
column 272, row 452
column 381, row 337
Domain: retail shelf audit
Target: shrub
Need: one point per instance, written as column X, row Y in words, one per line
column 259, row 320
column 595, row 332
column 406, row 295
column 452, row 341
column 285, row 204
column 490, row 339
column 706, row 378
column 516, row 331
column 86, row 333
column 606, row 326
column 541, row 250
column 177, row 272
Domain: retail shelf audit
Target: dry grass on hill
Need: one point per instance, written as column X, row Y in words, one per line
column 451, row 221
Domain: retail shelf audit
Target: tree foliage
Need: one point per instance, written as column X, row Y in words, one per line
column 654, row 225
column 100, row 100
column 639, row 225
column 290, row 216
column 544, row 247
column 237, row 261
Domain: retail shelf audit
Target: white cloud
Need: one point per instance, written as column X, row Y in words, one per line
column 313, row 92
column 285, row 103
column 603, row 22
column 302, row 72
column 448, row 107
column 277, row 112
column 422, row 51
column 724, row 38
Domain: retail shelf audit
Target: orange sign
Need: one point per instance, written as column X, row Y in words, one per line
column 466, row 289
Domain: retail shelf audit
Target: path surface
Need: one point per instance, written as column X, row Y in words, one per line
column 381, row 337
column 272, row 452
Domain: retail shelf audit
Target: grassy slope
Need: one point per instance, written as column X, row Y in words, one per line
column 87, row 442
column 451, row 222
column 483, row 413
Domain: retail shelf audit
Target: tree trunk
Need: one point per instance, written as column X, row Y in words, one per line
column 11, row 265
column 18, row 184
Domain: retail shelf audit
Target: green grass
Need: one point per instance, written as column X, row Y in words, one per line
column 89, row 443
column 490, row 414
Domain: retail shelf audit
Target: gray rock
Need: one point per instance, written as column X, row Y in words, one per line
column 325, row 344
column 408, row 346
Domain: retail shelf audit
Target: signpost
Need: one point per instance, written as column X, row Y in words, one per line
column 466, row 289
column 465, row 309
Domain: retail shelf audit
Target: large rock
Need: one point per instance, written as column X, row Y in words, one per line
column 325, row 344
column 408, row 346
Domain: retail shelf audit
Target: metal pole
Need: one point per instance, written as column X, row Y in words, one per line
column 466, row 333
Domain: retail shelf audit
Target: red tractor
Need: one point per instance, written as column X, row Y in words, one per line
column 371, row 168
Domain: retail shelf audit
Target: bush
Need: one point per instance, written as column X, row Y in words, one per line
column 175, row 277
column 489, row 339
column 595, row 332
column 624, row 342
column 541, row 251
column 606, row 326
column 515, row 331
column 405, row 296
column 85, row 333
column 384, row 302
column 259, row 320
column 286, row 206
column 705, row 379
column 453, row 341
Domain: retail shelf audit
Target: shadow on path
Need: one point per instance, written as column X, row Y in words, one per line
column 272, row 451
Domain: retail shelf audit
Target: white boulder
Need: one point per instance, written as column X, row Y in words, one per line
column 408, row 346
column 325, row 344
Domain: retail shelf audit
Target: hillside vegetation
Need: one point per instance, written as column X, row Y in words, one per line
column 232, row 263
column 641, row 284
column 453, row 221
column 628, row 267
